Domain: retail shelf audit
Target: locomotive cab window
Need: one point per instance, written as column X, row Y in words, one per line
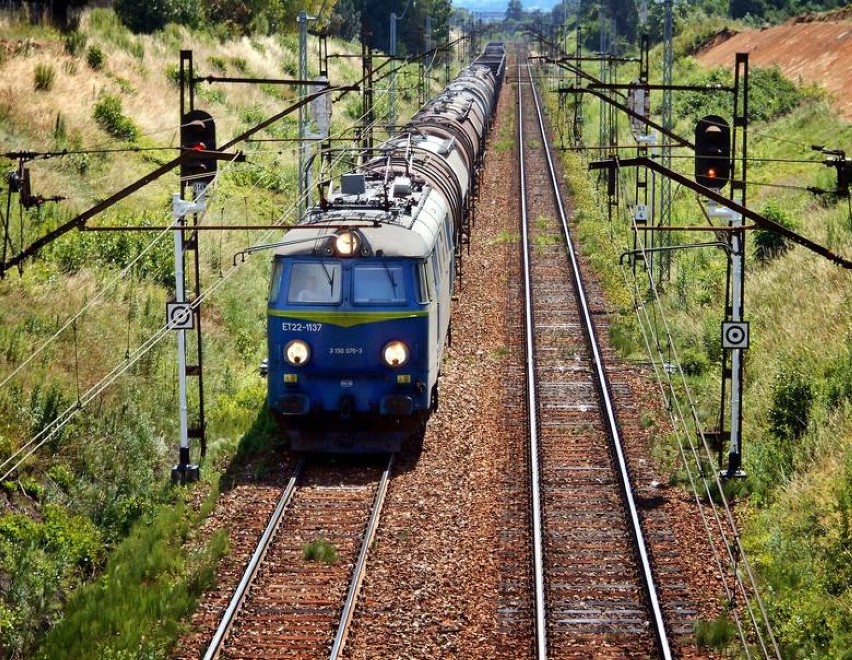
column 314, row 282
column 275, row 281
column 424, row 294
column 379, row 282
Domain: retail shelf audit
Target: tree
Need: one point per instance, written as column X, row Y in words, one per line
column 145, row 16
column 65, row 14
column 345, row 20
column 515, row 10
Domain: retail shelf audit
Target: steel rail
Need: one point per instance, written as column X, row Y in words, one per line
column 609, row 409
column 535, row 486
column 361, row 564
column 251, row 570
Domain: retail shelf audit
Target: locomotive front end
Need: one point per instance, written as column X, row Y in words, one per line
column 348, row 334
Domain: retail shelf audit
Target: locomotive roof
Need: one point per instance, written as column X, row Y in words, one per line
column 385, row 235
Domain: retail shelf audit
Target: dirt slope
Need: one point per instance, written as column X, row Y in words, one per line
column 813, row 49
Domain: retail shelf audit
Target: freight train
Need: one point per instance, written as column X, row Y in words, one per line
column 360, row 296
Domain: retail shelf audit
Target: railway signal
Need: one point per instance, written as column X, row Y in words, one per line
column 198, row 133
column 712, row 152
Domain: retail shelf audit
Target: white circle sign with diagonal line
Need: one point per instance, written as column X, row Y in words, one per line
column 734, row 334
column 179, row 316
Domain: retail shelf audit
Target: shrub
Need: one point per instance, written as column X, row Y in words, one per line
column 240, row 64
column 172, row 73
column 95, row 58
column 108, row 115
column 145, row 16
column 77, row 250
column 693, row 361
column 44, row 409
column 150, row 583
column 792, row 397
column 771, row 95
column 61, row 475
column 768, row 244
column 45, row 76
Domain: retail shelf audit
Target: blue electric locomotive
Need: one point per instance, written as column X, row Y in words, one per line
column 359, row 301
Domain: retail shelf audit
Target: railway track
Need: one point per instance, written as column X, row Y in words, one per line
column 593, row 587
column 288, row 604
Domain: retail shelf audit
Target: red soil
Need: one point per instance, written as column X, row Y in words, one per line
column 814, row 49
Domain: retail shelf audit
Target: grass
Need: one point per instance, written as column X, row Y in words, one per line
column 716, row 635
column 320, row 550
column 151, row 582
column 45, row 76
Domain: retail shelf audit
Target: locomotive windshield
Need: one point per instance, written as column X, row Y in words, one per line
column 315, row 282
column 379, row 282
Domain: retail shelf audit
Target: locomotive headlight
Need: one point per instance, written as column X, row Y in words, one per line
column 297, row 352
column 346, row 244
column 395, row 353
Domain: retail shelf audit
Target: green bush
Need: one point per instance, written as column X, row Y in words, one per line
column 150, row 583
column 768, row 244
column 792, row 398
column 693, row 361
column 95, row 58
column 78, row 250
column 240, row 64
column 771, row 95
column 44, row 77
column 45, row 408
column 143, row 16
column 172, row 73
column 108, row 115
column 218, row 63
column 62, row 476
column 147, row 16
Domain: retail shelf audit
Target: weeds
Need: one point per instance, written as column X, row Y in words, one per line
column 75, row 43
column 44, row 77
column 108, row 115
column 320, row 550
column 717, row 634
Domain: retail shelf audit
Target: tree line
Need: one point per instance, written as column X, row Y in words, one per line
column 347, row 19
column 618, row 21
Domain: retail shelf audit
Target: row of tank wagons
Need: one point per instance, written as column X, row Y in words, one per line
column 361, row 292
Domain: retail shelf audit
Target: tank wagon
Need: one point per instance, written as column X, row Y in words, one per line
column 359, row 302
column 494, row 57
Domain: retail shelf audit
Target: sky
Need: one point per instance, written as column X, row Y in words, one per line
column 500, row 5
